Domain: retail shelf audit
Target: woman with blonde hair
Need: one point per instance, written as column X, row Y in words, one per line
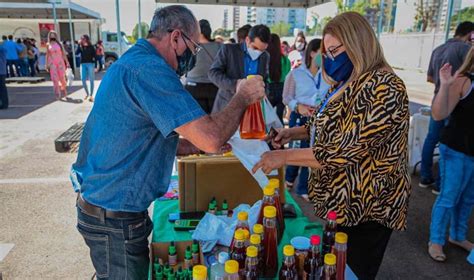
column 56, row 62
column 358, row 143
column 453, row 206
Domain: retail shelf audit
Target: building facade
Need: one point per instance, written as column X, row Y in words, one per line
column 296, row 18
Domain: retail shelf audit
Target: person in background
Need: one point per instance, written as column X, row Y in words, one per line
column 300, row 43
column 56, row 63
column 142, row 108
column 455, row 99
column 3, row 75
column 88, row 54
column 231, row 41
column 31, row 55
column 77, row 54
column 219, row 39
column 285, row 48
column 237, row 61
column 13, row 63
column 453, row 52
column 278, row 69
column 99, row 55
column 36, row 51
column 303, row 93
column 197, row 81
column 242, row 33
column 23, row 58
column 68, row 49
column 358, row 143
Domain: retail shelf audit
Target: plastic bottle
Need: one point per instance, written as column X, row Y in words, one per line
column 237, row 252
column 172, row 256
column 270, row 244
column 212, row 208
column 171, row 275
column 251, row 263
column 225, row 208
column 199, row 272
column 275, row 184
column 329, row 272
column 195, row 252
column 159, row 273
column 188, row 258
column 242, row 221
column 256, row 242
column 180, row 274
column 156, row 264
column 313, row 263
column 214, row 202
column 268, row 200
column 246, row 237
column 329, row 232
column 217, row 269
column 340, row 250
column 232, row 270
column 288, row 268
column 166, row 270
column 258, row 229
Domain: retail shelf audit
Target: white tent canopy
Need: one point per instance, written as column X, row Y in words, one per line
column 31, row 9
column 252, row 3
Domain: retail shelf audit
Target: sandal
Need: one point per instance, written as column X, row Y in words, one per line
column 436, row 254
column 289, row 186
column 468, row 247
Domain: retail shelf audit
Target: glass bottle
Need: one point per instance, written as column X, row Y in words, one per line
column 242, row 223
column 158, row 273
column 172, row 256
column 270, row 244
column 212, row 208
column 329, row 272
column 180, row 274
column 246, row 237
column 256, row 242
column 195, row 252
column 156, row 264
column 188, row 258
column 217, row 269
column 237, row 252
column 199, row 272
column 251, row 263
column 313, row 263
column 171, row 275
column 258, row 229
column 166, row 270
column 275, row 184
column 340, row 250
column 225, row 208
column 232, row 270
column 329, row 232
column 268, row 200
column 288, row 268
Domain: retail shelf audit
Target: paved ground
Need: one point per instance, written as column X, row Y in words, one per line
column 37, row 211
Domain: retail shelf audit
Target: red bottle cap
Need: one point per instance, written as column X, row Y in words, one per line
column 315, row 240
column 332, row 215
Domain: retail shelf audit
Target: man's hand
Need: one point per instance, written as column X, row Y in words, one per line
column 250, row 90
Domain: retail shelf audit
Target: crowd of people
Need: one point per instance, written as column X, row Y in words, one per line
column 21, row 56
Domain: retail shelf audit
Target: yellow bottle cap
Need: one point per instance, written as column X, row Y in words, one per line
column 258, row 228
column 330, row 259
column 242, row 216
column 289, row 250
column 252, row 251
column 251, row 76
column 269, row 212
column 341, row 237
column 246, row 234
column 239, row 234
column 275, row 183
column 199, row 272
column 269, row 191
column 255, row 239
column 228, row 154
column 231, row 267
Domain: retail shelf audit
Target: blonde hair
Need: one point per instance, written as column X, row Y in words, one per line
column 361, row 44
column 468, row 65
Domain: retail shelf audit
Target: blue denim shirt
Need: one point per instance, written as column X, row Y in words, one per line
column 3, row 60
column 128, row 145
column 250, row 66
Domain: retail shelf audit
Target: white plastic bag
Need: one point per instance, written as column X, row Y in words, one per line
column 69, row 76
column 270, row 115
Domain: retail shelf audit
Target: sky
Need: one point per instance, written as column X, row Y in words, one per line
column 215, row 13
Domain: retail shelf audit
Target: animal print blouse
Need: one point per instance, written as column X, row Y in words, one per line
column 361, row 142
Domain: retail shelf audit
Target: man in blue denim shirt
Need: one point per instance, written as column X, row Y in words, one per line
column 130, row 139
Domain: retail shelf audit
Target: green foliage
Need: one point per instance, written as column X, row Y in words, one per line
column 131, row 39
column 359, row 6
column 281, row 28
column 144, row 26
column 222, row 32
column 466, row 14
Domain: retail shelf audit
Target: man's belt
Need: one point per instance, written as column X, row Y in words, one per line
column 101, row 213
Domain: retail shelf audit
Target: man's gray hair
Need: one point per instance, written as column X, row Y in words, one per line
column 171, row 18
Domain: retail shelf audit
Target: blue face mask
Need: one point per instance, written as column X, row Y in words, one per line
column 339, row 69
column 186, row 62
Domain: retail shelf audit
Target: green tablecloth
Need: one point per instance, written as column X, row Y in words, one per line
column 163, row 230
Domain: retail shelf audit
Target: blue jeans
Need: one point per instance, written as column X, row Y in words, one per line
column 3, row 93
column 292, row 171
column 118, row 247
column 87, row 72
column 12, row 67
column 24, row 67
column 455, row 201
column 431, row 140
column 31, row 64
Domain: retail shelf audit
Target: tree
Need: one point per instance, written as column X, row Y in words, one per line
column 222, row 32
column 466, row 14
column 281, row 28
column 144, row 26
column 425, row 15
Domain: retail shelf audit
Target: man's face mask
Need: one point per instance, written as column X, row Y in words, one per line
column 187, row 60
column 253, row 52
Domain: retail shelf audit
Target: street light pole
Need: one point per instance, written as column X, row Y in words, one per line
column 54, row 16
column 119, row 32
column 380, row 24
column 448, row 19
column 72, row 39
column 139, row 19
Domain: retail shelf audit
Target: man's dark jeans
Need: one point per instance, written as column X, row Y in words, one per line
column 3, row 93
column 12, row 67
column 118, row 247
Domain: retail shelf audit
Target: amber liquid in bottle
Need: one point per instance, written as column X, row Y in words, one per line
column 270, row 267
column 237, row 253
column 329, row 233
column 280, row 218
column 251, row 268
column 288, row 269
column 313, row 264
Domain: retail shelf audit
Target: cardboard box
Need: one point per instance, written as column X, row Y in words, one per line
column 160, row 250
column 202, row 178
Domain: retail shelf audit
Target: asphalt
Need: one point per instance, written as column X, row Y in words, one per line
column 37, row 212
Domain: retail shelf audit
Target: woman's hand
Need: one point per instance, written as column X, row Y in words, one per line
column 283, row 137
column 445, row 76
column 305, row 110
column 270, row 161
